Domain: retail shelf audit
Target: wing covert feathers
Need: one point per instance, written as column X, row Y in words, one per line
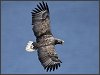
column 48, row 58
column 41, row 20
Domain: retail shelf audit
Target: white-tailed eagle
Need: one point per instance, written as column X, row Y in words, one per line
column 45, row 41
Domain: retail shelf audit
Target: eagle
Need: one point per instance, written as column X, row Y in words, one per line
column 45, row 41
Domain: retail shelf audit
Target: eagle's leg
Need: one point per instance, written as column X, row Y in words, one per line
column 58, row 41
column 31, row 46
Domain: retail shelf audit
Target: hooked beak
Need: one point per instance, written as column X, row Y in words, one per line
column 62, row 42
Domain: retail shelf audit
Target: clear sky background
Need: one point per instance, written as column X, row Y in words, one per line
column 76, row 22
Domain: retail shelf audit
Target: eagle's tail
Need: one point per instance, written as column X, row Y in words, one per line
column 30, row 47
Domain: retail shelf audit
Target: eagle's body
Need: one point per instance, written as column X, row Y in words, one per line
column 45, row 41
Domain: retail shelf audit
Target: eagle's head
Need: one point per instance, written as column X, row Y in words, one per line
column 59, row 41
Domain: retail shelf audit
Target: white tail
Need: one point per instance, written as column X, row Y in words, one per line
column 30, row 47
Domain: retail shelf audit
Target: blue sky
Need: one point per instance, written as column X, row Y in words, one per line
column 76, row 22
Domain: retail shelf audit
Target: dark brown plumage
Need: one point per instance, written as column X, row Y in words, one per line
column 45, row 42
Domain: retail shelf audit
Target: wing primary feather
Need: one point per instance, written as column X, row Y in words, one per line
column 47, row 7
column 60, row 61
column 45, row 67
column 39, row 7
column 32, row 13
column 48, row 68
column 56, row 66
column 38, row 10
column 59, row 64
column 51, row 68
column 35, row 11
column 44, row 5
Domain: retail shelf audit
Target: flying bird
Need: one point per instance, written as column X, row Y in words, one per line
column 45, row 41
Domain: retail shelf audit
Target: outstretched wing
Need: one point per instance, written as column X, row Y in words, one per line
column 41, row 20
column 48, row 57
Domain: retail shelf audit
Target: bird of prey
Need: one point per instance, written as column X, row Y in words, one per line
column 45, row 41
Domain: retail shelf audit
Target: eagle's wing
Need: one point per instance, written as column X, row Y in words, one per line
column 48, row 57
column 41, row 20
